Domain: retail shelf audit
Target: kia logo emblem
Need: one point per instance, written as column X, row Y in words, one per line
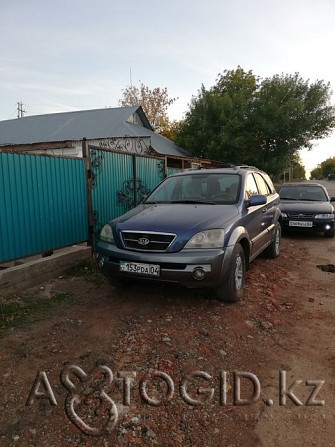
column 143, row 241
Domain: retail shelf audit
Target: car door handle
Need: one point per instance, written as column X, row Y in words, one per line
column 264, row 210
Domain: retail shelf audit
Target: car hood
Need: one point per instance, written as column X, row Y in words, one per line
column 184, row 220
column 291, row 206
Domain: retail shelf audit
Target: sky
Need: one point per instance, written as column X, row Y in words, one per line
column 67, row 55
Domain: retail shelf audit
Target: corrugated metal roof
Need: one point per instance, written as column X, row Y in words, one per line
column 161, row 144
column 89, row 124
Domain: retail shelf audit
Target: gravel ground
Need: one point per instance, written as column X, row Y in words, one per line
column 95, row 351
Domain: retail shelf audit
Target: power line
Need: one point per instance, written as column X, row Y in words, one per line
column 13, row 113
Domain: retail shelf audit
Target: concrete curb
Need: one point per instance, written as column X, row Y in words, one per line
column 20, row 277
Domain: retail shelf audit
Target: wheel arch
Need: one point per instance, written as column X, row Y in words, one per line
column 246, row 248
column 241, row 236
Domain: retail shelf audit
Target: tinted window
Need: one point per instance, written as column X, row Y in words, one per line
column 250, row 187
column 269, row 182
column 262, row 186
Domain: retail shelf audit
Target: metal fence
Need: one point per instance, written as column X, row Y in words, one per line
column 49, row 202
column 43, row 204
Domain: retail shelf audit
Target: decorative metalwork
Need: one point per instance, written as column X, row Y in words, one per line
column 126, row 194
column 161, row 168
column 133, row 145
column 96, row 163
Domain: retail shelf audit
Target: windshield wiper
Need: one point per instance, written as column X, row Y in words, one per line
column 288, row 198
column 153, row 202
column 205, row 202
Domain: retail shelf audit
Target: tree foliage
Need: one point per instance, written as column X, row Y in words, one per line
column 154, row 102
column 244, row 119
column 323, row 169
column 296, row 170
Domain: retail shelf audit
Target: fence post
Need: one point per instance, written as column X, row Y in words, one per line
column 88, row 172
column 135, row 179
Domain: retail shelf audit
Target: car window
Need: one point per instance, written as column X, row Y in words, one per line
column 268, row 181
column 262, row 186
column 301, row 192
column 250, row 187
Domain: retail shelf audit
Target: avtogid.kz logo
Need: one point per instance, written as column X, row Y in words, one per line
column 90, row 408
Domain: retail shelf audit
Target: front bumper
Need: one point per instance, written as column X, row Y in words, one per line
column 174, row 267
column 319, row 225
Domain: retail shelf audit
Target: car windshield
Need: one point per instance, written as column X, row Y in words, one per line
column 206, row 188
column 297, row 192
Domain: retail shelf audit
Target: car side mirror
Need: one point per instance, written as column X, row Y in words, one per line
column 256, row 200
column 142, row 199
column 332, row 199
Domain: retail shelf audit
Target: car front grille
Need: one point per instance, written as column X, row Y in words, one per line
column 147, row 241
column 301, row 215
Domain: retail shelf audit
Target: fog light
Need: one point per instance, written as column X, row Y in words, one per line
column 328, row 227
column 101, row 263
column 199, row 273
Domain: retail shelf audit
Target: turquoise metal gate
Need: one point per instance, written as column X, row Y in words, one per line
column 118, row 180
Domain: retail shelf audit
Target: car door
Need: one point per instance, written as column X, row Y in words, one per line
column 254, row 218
column 268, row 210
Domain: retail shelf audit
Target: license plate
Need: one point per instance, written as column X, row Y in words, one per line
column 299, row 223
column 139, row 268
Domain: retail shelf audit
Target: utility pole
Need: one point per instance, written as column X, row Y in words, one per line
column 20, row 110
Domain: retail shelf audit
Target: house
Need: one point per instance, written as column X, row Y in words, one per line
column 124, row 129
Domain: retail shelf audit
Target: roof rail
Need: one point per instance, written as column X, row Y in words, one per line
column 245, row 167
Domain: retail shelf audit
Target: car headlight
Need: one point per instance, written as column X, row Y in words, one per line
column 207, row 239
column 283, row 215
column 106, row 234
column 324, row 216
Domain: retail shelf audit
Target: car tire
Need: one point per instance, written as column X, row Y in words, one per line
column 273, row 250
column 232, row 288
column 329, row 233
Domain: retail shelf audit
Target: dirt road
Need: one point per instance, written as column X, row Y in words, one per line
column 285, row 323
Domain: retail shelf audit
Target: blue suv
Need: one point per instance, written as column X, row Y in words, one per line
column 197, row 228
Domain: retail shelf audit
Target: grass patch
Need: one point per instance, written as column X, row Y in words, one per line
column 13, row 313
column 87, row 269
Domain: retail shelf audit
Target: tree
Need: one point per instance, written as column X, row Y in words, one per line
column 289, row 113
column 244, row 119
column 323, row 169
column 171, row 130
column 217, row 125
column 298, row 171
column 154, row 103
column 316, row 173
